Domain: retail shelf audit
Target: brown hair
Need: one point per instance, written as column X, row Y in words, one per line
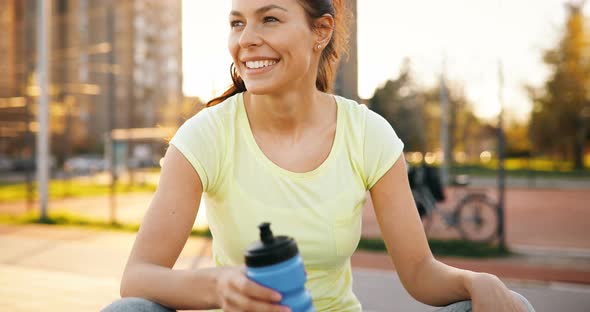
column 331, row 55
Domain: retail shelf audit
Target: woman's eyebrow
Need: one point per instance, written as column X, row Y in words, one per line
column 261, row 10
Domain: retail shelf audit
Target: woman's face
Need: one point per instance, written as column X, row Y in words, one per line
column 271, row 44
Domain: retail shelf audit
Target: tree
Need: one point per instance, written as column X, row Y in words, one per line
column 401, row 104
column 517, row 139
column 557, row 121
column 464, row 127
column 415, row 115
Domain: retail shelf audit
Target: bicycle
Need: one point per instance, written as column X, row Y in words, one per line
column 475, row 215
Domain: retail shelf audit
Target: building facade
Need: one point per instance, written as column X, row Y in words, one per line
column 346, row 83
column 112, row 65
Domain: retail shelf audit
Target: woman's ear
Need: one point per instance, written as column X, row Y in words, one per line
column 324, row 28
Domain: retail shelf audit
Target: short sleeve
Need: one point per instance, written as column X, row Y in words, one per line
column 201, row 141
column 382, row 148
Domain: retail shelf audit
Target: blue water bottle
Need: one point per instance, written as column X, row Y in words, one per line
column 274, row 262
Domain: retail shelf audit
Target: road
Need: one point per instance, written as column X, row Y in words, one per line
column 78, row 269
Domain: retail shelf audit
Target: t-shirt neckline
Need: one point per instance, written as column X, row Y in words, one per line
column 251, row 141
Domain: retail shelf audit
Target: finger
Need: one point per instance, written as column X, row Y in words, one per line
column 240, row 302
column 256, row 291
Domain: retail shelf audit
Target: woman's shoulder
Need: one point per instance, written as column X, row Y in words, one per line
column 227, row 107
column 219, row 114
column 353, row 111
column 362, row 116
column 349, row 104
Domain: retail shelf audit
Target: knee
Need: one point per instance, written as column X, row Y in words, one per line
column 528, row 305
column 465, row 306
column 461, row 306
column 135, row 304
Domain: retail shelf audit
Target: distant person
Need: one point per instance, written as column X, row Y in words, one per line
column 278, row 147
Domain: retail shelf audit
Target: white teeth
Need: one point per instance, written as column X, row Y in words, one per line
column 260, row 64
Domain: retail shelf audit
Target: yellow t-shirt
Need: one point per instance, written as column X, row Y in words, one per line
column 321, row 209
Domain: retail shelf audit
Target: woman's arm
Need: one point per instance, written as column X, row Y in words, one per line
column 162, row 235
column 426, row 279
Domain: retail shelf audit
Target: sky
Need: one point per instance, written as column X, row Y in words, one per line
column 471, row 37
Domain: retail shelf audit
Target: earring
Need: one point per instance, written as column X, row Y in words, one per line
column 319, row 46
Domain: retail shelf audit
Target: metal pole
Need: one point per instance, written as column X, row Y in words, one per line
column 583, row 132
column 112, row 107
column 501, row 143
column 444, row 128
column 501, row 156
column 43, row 33
column 28, row 144
column 29, row 139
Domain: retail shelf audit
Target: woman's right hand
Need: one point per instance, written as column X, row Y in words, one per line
column 237, row 293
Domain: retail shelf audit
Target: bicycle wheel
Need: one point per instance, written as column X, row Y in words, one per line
column 478, row 218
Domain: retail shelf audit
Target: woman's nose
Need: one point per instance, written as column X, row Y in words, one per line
column 250, row 37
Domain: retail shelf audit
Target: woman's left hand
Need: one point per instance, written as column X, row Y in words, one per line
column 488, row 293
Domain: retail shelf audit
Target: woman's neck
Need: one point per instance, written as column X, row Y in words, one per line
column 288, row 113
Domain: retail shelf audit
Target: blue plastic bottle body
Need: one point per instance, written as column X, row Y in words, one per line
column 288, row 278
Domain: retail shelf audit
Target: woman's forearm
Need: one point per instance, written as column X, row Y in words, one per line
column 438, row 284
column 177, row 289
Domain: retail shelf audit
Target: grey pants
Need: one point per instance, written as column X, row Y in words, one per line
column 142, row 305
column 465, row 306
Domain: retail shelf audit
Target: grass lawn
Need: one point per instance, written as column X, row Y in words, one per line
column 67, row 219
column 523, row 167
column 59, row 189
column 452, row 248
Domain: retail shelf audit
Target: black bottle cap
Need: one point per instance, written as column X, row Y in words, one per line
column 270, row 249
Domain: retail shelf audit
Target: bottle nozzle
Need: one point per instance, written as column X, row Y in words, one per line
column 266, row 235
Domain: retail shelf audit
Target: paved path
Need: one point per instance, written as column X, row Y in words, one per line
column 53, row 268
column 70, row 269
column 385, row 286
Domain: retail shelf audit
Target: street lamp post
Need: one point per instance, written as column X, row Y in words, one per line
column 112, row 109
column 501, row 137
column 501, row 157
column 43, row 33
column 444, row 130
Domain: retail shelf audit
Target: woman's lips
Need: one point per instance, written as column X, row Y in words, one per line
column 261, row 70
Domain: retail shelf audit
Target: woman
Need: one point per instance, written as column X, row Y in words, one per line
column 277, row 147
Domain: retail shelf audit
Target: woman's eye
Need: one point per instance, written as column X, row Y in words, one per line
column 270, row 19
column 235, row 24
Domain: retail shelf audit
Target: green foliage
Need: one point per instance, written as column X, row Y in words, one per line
column 450, row 248
column 399, row 102
column 69, row 189
column 523, row 167
column 467, row 132
column 68, row 219
column 415, row 114
column 557, row 125
column 517, row 140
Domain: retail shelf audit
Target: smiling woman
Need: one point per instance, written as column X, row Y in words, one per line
column 278, row 147
column 284, row 29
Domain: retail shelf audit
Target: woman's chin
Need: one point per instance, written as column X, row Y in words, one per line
column 260, row 89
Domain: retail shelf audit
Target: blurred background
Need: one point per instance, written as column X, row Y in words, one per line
column 493, row 93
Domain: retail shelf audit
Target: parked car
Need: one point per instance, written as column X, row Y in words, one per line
column 6, row 163
column 24, row 164
column 84, row 164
